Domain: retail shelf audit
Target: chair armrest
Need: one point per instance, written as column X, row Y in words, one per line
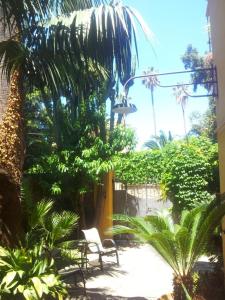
column 109, row 240
column 95, row 244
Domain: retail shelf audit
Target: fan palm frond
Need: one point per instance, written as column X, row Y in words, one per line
column 61, row 225
column 39, row 213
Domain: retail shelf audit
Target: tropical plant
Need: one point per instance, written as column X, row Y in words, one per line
column 72, row 53
column 180, row 244
column 49, row 228
column 150, row 83
column 29, row 274
column 159, row 141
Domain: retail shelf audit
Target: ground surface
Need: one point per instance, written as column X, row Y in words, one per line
column 142, row 274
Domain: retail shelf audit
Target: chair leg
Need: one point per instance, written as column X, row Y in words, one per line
column 117, row 258
column 100, row 261
column 83, row 280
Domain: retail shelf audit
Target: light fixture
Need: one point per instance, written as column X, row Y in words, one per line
column 212, row 81
column 124, row 107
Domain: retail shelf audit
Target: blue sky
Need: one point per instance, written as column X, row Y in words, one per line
column 175, row 24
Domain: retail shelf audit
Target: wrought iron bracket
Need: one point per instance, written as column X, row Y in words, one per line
column 213, row 81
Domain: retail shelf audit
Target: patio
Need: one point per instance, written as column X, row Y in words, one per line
column 142, row 274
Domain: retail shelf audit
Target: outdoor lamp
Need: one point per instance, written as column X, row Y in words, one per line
column 124, row 107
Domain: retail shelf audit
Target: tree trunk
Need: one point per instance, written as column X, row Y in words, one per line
column 11, row 163
column 4, row 89
column 153, row 111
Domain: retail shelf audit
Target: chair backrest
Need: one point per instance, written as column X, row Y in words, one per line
column 92, row 236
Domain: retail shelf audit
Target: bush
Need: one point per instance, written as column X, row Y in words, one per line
column 28, row 274
column 138, row 167
column 189, row 169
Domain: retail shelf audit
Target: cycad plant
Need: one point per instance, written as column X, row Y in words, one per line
column 180, row 245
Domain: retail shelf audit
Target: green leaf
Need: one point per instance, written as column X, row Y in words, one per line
column 37, row 286
column 8, row 278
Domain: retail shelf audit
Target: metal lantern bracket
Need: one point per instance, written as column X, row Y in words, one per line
column 213, row 82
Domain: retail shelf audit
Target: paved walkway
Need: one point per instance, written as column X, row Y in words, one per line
column 142, row 274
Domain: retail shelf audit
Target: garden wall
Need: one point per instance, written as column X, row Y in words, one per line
column 138, row 200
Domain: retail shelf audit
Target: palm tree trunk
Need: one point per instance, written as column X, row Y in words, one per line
column 11, row 163
column 184, row 120
column 153, row 111
column 4, row 89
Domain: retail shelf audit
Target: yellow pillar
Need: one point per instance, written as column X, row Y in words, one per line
column 221, row 142
column 105, row 219
column 216, row 13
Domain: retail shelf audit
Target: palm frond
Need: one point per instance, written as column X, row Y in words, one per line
column 40, row 212
column 160, row 223
column 12, row 56
column 152, row 145
column 105, row 34
column 165, row 246
column 61, row 225
column 120, row 229
column 209, row 221
column 179, row 244
column 75, row 51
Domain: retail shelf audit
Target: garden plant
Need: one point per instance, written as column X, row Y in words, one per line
column 29, row 271
column 180, row 244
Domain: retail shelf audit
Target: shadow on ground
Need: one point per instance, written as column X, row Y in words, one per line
column 99, row 294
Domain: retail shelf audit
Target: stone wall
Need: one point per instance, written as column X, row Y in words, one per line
column 138, row 200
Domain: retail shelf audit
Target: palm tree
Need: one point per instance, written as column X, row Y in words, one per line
column 51, row 228
column 158, row 142
column 180, row 245
column 87, row 40
column 180, row 92
column 150, row 83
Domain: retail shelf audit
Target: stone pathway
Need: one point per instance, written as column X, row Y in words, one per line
column 142, row 274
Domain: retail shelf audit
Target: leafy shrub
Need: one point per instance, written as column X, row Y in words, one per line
column 79, row 167
column 189, row 169
column 186, row 171
column 28, row 274
column 138, row 167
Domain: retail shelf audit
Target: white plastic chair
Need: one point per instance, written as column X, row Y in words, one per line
column 95, row 245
